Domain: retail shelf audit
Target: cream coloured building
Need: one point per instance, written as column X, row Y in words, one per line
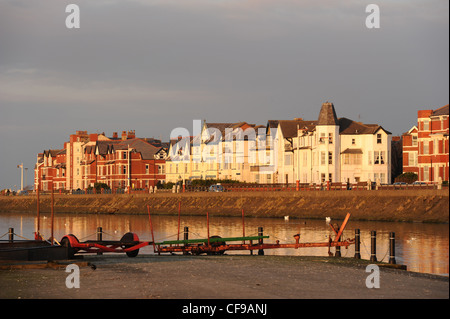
column 328, row 149
column 284, row 152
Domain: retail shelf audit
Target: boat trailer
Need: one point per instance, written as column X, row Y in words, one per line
column 212, row 245
column 129, row 244
column 216, row 245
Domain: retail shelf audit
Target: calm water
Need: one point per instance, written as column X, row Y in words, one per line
column 422, row 247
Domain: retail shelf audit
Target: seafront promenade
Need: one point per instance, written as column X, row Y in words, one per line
column 423, row 205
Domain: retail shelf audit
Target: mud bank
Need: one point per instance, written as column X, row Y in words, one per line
column 402, row 205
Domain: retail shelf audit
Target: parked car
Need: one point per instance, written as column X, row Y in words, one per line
column 23, row 193
column 419, row 183
column 216, row 188
column 399, row 183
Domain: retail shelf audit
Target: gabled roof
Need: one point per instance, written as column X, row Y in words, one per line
column 411, row 130
column 220, row 126
column 272, row 123
column 350, row 127
column 440, row 111
column 53, row 153
column 89, row 149
column 103, row 146
column 146, row 149
column 289, row 127
column 226, row 127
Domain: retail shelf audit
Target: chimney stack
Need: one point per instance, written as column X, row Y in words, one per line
column 124, row 135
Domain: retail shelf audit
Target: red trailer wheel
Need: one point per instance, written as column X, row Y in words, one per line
column 70, row 241
column 216, row 244
column 129, row 240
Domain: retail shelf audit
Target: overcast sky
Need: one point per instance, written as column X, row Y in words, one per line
column 154, row 65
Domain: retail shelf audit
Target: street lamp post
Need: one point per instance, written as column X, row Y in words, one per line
column 26, row 174
column 21, row 175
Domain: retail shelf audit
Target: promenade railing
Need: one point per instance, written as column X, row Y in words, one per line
column 238, row 187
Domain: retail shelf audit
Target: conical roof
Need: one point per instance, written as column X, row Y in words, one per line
column 327, row 115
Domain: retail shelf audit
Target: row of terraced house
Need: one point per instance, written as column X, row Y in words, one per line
column 328, row 149
column 120, row 162
column 425, row 146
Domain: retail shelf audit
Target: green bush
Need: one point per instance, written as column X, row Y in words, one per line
column 98, row 186
column 160, row 185
column 408, row 178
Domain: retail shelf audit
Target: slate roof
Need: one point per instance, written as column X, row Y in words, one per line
column 53, row 153
column 350, row 127
column 441, row 111
column 289, row 127
column 146, row 149
column 222, row 127
column 327, row 115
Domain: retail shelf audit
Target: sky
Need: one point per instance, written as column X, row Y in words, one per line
column 155, row 65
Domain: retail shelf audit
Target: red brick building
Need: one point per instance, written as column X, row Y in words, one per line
column 50, row 169
column 121, row 163
column 425, row 146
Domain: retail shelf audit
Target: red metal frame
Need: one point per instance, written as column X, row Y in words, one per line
column 92, row 246
column 215, row 248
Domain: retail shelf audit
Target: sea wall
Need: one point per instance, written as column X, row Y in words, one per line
column 381, row 205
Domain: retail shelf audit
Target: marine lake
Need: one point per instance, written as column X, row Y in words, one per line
column 421, row 247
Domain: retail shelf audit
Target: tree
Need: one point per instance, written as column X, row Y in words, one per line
column 98, row 187
column 408, row 177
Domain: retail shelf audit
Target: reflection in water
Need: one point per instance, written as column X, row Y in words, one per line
column 422, row 247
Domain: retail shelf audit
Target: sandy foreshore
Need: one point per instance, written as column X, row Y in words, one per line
column 218, row 277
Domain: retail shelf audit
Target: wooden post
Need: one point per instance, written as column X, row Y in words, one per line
column 338, row 248
column 207, row 225
column 99, row 237
column 357, row 244
column 243, row 225
column 151, row 228
column 186, row 233
column 179, row 214
column 186, row 237
column 373, row 246
column 392, row 248
column 99, row 234
column 260, row 241
column 11, row 235
column 38, row 234
column 52, row 216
